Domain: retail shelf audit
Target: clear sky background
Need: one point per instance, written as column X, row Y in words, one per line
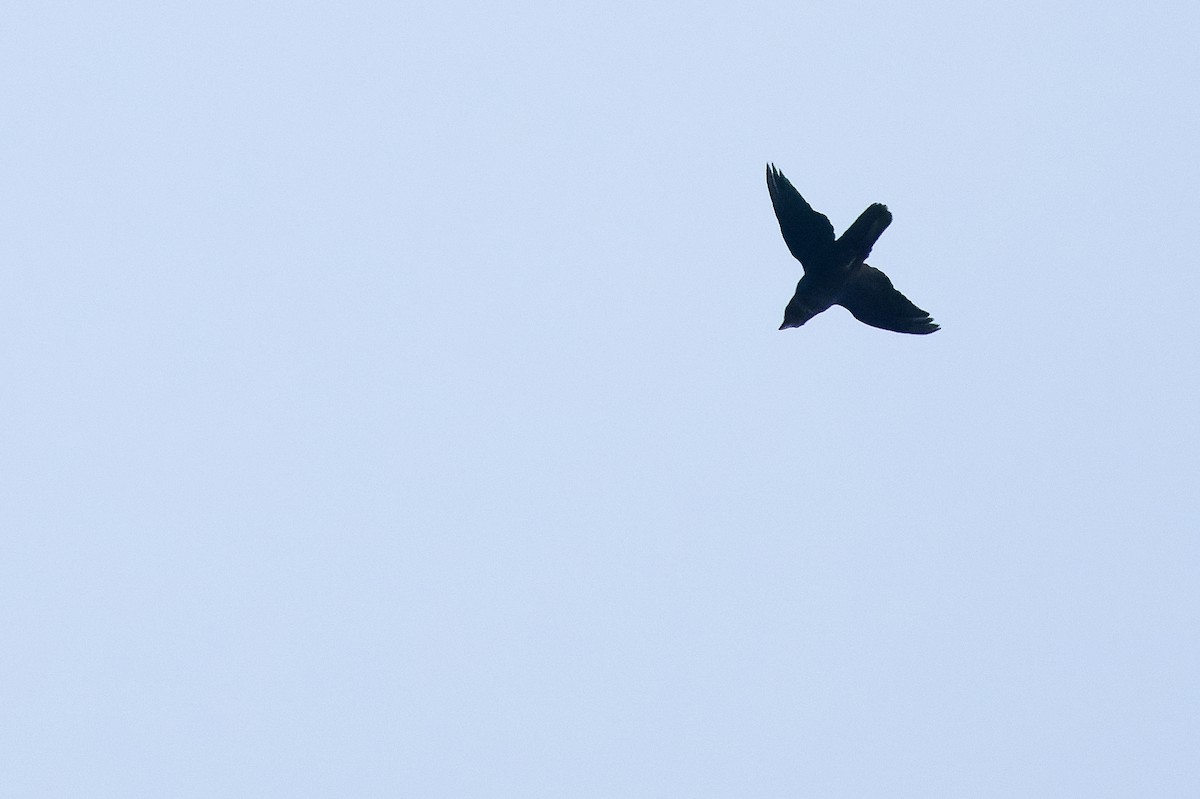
column 393, row 404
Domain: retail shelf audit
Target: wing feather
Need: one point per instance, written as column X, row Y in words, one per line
column 807, row 233
column 872, row 298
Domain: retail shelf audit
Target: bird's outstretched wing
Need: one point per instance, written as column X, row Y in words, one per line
column 807, row 233
column 872, row 298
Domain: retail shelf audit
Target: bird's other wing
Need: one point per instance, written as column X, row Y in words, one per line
column 872, row 298
column 807, row 233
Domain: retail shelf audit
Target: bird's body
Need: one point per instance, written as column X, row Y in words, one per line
column 835, row 270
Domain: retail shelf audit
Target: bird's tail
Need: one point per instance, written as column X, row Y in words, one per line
column 860, row 237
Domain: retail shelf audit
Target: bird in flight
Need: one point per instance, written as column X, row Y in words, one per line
column 835, row 270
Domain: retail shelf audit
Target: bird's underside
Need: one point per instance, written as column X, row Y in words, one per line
column 835, row 269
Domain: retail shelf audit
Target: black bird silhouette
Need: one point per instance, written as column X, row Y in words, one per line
column 835, row 272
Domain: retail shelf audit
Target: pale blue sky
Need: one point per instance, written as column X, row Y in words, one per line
column 394, row 407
